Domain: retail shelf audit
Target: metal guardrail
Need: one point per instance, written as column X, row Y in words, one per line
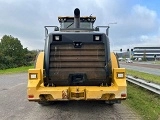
column 145, row 84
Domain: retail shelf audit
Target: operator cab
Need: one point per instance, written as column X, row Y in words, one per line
column 68, row 22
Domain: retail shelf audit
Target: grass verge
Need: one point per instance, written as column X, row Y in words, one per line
column 157, row 62
column 146, row 103
column 145, row 76
column 16, row 70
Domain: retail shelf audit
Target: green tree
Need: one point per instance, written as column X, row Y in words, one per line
column 30, row 56
column 12, row 52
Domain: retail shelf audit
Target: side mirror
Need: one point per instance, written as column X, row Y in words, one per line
column 97, row 29
column 56, row 29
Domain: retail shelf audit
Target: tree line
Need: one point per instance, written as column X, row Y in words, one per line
column 12, row 53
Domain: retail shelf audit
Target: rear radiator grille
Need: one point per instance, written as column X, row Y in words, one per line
column 65, row 60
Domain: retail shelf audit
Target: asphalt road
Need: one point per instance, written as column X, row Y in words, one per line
column 15, row 106
column 147, row 68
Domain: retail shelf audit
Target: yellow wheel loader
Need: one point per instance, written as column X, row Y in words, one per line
column 76, row 65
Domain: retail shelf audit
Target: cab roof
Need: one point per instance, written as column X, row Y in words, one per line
column 82, row 19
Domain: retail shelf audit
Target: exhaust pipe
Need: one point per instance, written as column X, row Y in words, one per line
column 76, row 18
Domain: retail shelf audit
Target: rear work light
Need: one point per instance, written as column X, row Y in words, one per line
column 120, row 75
column 33, row 76
column 96, row 38
column 57, row 38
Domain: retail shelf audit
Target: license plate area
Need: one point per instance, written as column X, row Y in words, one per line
column 79, row 95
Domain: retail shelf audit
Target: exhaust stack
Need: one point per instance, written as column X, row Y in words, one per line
column 76, row 18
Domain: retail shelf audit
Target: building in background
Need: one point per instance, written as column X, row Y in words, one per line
column 146, row 53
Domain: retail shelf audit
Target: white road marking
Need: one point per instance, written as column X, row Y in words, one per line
column 17, row 85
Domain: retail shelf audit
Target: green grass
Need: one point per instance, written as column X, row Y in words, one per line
column 16, row 70
column 145, row 76
column 157, row 62
column 145, row 103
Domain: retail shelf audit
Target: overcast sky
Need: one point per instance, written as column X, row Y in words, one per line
column 138, row 21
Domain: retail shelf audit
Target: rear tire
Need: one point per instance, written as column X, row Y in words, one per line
column 109, row 103
column 45, row 103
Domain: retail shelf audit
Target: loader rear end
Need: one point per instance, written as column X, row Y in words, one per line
column 76, row 65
